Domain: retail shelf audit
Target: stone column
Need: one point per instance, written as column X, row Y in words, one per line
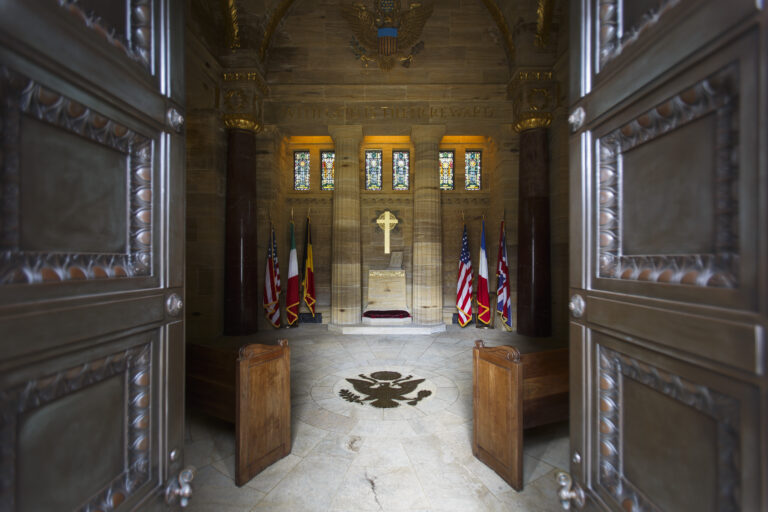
column 534, row 310
column 427, row 235
column 535, row 96
column 241, row 298
column 346, row 301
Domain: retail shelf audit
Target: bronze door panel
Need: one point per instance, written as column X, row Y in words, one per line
column 56, row 412
column 670, row 436
column 679, row 223
column 110, row 162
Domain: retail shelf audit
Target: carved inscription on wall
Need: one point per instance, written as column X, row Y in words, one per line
column 351, row 113
column 714, row 96
column 23, row 99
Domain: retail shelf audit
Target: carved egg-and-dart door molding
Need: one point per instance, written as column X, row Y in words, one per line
column 91, row 258
column 668, row 257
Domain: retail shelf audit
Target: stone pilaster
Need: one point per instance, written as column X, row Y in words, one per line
column 427, row 234
column 346, row 301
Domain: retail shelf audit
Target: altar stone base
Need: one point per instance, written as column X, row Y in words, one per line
column 386, row 329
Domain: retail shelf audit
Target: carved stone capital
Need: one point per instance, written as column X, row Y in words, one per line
column 534, row 97
column 242, row 99
column 242, row 122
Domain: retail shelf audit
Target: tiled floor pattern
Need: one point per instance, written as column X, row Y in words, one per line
column 348, row 457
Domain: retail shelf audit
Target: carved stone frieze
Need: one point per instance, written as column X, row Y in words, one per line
column 613, row 36
column 324, row 200
column 20, row 96
column 723, row 409
column 372, row 199
column 534, row 97
column 136, row 366
column 473, row 200
column 137, row 43
column 713, row 95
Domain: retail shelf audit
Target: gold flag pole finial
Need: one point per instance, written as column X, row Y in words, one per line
column 291, row 214
column 462, row 217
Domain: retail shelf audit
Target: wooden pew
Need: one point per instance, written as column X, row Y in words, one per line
column 512, row 392
column 249, row 386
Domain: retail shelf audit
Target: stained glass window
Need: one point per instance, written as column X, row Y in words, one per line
column 472, row 170
column 301, row 170
column 373, row 169
column 446, row 169
column 327, row 160
column 400, row 170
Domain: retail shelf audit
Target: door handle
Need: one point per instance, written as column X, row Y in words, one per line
column 180, row 488
column 569, row 492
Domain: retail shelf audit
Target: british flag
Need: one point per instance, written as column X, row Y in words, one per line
column 503, row 298
column 464, row 284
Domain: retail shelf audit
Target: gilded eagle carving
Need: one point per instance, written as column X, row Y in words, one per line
column 388, row 34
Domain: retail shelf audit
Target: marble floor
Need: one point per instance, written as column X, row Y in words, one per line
column 349, row 456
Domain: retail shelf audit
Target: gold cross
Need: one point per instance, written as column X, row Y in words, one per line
column 387, row 222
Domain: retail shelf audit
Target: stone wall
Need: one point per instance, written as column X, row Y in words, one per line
column 206, row 188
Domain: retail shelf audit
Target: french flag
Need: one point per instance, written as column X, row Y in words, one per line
column 483, row 293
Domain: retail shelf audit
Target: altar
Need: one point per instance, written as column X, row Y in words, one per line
column 387, row 303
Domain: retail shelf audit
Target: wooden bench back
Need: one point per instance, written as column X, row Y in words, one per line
column 511, row 392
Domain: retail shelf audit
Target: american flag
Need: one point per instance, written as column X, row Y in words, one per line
column 272, row 283
column 464, row 284
column 503, row 298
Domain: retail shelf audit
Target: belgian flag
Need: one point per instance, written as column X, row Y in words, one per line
column 309, row 272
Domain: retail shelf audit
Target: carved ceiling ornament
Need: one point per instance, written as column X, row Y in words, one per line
column 233, row 26
column 387, row 35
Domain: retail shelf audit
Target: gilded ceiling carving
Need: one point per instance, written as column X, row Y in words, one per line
column 271, row 14
column 387, row 34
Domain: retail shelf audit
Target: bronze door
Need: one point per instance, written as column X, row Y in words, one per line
column 91, row 253
column 669, row 259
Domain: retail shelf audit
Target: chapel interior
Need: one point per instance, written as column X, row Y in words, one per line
column 274, row 87
column 290, row 73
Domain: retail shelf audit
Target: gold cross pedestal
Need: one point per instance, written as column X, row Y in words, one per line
column 387, row 223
